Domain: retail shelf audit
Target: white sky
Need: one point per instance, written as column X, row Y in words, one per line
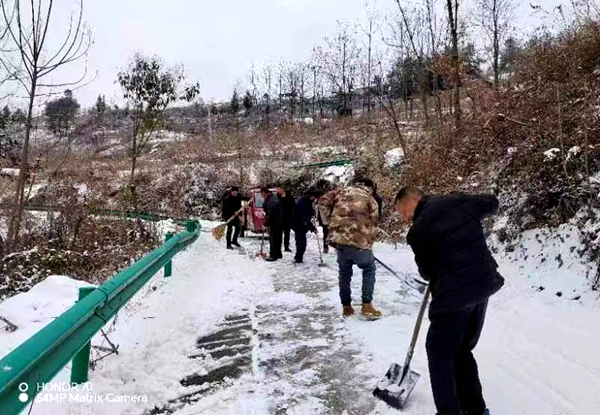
column 216, row 40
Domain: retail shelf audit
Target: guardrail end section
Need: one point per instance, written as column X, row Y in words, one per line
column 192, row 226
column 81, row 361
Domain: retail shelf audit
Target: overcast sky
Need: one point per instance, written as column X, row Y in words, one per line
column 216, row 40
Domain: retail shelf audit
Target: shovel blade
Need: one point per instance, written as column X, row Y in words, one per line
column 394, row 390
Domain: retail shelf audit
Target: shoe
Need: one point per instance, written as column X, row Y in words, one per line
column 369, row 312
column 271, row 259
column 326, row 250
column 347, row 311
column 236, row 244
column 229, row 247
column 288, row 250
column 297, row 261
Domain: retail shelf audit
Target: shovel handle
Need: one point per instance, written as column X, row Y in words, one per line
column 415, row 336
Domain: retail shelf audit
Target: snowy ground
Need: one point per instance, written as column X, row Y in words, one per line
column 269, row 339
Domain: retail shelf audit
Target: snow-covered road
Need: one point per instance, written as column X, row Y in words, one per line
column 269, row 339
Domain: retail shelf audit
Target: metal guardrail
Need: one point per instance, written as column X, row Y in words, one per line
column 154, row 217
column 43, row 355
column 325, row 164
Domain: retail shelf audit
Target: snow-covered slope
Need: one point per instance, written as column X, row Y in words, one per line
column 537, row 355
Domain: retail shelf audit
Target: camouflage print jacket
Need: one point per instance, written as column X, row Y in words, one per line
column 352, row 214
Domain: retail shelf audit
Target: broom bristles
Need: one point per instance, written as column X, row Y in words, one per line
column 218, row 232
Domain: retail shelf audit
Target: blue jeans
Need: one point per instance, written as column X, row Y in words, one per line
column 347, row 257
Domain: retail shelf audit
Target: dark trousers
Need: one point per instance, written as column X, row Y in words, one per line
column 286, row 236
column 300, row 245
column 233, row 227
column 452, row 366
column 275, row 236
column 325, row 235
column 347, row 257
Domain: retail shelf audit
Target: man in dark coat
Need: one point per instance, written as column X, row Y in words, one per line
column 232, row 203
column 451, row 252
column 273, row 221
column 302, row 222
column 287, row 209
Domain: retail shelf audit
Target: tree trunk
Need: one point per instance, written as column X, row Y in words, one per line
column 425, row 106
column 369, row 70
column 134, row 154
column 453, row 20
column 19, row 202
column 496, row 46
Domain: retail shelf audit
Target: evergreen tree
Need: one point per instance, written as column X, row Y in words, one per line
column 19, row 116
column 509, row 56
column 100, row 108
column 248, row 101
column 235, row 102
column 60, row 113
column 5, row 118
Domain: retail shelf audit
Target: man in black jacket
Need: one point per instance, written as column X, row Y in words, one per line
column 287, row 209
column 273, row 221
column 302, row 222
column 451, row 252
column 232, row 203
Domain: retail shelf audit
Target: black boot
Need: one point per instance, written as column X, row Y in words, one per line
column 235, row 243
column 229, row 246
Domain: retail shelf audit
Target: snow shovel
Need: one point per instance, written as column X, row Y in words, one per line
column 262, row 253
column 399, row 381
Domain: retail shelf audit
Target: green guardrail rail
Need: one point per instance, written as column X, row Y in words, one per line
column 153, row 217
column 325, row 164
column 68, row 337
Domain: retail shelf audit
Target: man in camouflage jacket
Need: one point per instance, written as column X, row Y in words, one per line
column 353, row 214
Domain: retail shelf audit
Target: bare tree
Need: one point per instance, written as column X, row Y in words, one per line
column 267, row 85
column 28, row 25
column 253, row 80
column 452, row 9
column 384, row 97
column 370, row 28
column 340, row 60
column 494, row 17
column 410, row 38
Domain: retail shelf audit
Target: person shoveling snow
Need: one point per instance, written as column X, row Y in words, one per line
column 451, row 253
column 302, row 222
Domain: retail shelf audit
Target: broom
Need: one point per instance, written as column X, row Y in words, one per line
column 218, row 232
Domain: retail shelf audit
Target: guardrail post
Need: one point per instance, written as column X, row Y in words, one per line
column 190, row 225
column 81, row 361
column 168, row 265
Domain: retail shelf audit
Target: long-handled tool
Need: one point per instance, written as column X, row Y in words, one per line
column 321, row 263
column 422, row 284
column 399, row 381
column 262, row 253
column 219, row 231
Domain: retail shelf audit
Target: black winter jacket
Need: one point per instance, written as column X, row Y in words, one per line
column 451, row 251
column 273, row 213
column 287, row 208
column 231, row 205
column 303, row 214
